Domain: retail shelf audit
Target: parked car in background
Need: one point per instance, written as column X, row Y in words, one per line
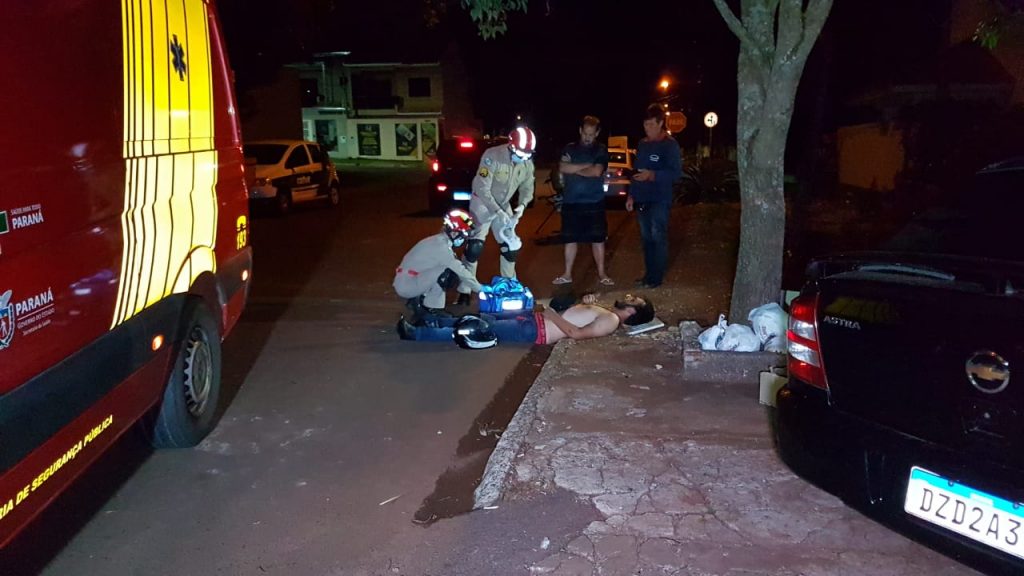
column 617, row 177
column 900, row 398
column 282, row 172
column 452, row 171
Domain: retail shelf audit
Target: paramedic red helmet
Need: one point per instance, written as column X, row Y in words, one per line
column 522, row 142
column 457, row 225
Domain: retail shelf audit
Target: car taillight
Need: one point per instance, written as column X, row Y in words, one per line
column 804, row 348
column 442, row 187
column 618, row 172
column 466, row 145
column 436, row 166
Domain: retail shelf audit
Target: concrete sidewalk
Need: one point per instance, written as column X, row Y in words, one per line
column 681, row 473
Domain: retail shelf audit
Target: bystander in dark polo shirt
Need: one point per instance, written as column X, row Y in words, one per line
column 662, row 158
column 582, row 189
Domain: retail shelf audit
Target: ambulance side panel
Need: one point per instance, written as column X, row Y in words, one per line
column 121, row 196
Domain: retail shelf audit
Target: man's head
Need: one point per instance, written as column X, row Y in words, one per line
column 589, row 129
column 634, row 310
column 654, row 121
column 521, row 143
column 457, row 226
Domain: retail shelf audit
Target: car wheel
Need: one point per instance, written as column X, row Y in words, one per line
column 283, row 202
column 334, row 194
column 189, row 409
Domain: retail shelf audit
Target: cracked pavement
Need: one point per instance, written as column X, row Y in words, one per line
column 684, row 476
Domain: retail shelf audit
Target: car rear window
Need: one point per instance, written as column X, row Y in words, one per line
column 458, row 153
column 265, row 153
column 316, row 154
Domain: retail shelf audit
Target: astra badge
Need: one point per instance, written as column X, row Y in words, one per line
column 843, row 322
column 6, row 320
column 988, row 372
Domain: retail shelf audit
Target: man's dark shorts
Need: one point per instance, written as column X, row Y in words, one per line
column 584, row 223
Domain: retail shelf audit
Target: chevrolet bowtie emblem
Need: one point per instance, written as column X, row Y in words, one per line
column 988, row 372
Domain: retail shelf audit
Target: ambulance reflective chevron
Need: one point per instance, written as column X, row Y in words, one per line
column 124, row 256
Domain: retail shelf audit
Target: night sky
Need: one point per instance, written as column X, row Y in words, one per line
column 567, row 58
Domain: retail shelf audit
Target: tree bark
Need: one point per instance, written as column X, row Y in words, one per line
column 771, row 61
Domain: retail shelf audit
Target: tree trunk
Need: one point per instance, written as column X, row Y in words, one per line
column 764, row 111
column 776, row 37
column 762, row 222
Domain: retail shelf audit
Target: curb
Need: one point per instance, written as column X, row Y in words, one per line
column 722, row 366
column 499, row 464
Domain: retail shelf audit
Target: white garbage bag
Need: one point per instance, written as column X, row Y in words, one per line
column 770, row 322
column 710, row 338
column 739, row 338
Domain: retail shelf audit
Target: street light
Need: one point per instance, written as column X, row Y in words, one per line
column 664, row 84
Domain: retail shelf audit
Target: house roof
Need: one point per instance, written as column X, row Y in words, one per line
column 965, row 71
column 427, row 54
column 967, row 63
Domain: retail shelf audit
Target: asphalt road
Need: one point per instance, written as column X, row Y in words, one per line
column 336, row 432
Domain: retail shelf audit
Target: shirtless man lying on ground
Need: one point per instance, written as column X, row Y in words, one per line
column 579, row 322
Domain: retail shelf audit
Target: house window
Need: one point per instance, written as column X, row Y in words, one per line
column 310, row 92
column 419, row 87
column 371, row 90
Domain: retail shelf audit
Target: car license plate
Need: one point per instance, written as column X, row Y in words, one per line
column 461, row 195
column 972, row 513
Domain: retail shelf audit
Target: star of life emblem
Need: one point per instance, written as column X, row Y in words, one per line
column 6, row 320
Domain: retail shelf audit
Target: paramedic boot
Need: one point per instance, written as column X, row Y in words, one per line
column 405, row 330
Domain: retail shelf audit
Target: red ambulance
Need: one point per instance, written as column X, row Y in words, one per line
column 124, row 256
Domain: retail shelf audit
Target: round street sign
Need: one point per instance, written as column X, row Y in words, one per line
column 710, row 119
column 675, row 121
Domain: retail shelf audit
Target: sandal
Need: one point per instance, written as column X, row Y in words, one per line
column 561, row 280
column 606, row 281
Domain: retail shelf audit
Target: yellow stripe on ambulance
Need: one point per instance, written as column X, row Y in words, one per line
column 170, row 213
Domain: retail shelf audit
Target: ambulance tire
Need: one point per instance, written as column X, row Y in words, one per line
column 334, row 194
column 191, row 399
column 283, row 202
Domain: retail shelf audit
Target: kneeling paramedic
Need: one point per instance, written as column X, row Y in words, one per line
column 503, row 170
column 431, row 268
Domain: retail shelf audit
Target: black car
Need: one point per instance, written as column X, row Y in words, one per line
column 452, row 171
column 900, row 398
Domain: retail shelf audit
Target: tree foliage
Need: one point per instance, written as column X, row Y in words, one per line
column 491, row 16
column 1008, row 13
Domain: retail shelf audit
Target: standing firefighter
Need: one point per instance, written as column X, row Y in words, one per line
column 503, row 170
column 431, row 268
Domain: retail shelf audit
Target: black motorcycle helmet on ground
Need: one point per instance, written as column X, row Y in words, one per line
column 474, row 333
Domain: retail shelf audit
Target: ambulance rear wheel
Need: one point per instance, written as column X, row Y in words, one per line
column 189, row 409
column 283, row 202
